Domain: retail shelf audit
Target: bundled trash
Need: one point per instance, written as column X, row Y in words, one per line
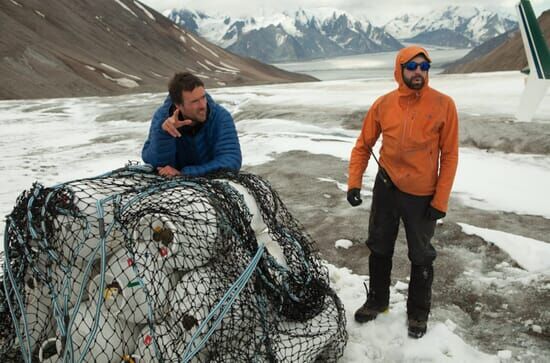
column 133, row 267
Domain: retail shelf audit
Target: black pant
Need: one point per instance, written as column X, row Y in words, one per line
column 388, row 207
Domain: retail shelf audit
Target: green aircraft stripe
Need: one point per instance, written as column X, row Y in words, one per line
column 537, row 43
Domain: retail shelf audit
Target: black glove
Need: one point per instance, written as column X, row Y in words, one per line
column 434, row 214
column 354, row 197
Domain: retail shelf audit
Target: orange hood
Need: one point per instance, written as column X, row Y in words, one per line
column 403, row 56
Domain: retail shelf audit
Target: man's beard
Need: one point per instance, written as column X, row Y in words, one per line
column 194, row 120
column 412, row 85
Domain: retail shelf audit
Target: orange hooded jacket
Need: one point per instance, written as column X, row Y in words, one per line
column 419, row 138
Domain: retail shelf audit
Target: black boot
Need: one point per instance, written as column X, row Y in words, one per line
column 419, row 299
column 378, row 296
column 417, row 328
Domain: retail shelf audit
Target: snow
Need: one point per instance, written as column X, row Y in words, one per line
column 40, row 14
column 230, row 66
column 531, row 254
column 280, row 39
column 468, row 20
column 147, row 12
column 343, row 243
column 220, row 68
column 113, row 69
column 16, row 3
column 123, row 82
column 119, row 2
column 203, row 66
column 264, row 139
column 214, row 27
column 504, row 354
column 204, row 46
column 401, row 27
column 341, row 186
column 385, row 339
column 182, row 38
column 103, row 133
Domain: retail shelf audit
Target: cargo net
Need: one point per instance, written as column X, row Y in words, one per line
column 132, row 267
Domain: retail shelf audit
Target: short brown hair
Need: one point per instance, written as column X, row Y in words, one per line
column 182, row 82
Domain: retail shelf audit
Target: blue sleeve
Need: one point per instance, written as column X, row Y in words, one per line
column 160, row 147
column 227, row 150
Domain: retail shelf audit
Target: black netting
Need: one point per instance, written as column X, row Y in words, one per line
column 133, row 267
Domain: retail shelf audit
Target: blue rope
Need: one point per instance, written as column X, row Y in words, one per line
column 7, row 268
column 224, row 304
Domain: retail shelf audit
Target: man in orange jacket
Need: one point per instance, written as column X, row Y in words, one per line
column 418, row 161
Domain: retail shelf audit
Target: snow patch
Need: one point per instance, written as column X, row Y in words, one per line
column 401, row 286
column 280, row 39
column 40, row 14
column 229, row 66
column 123, row 82
column 343, row 243
column 531, row 254
column 145, row 10
column 16, row 3
column 204, row 46
column 113, row 69
column 89, row 67
column 204, row 66
column 119, row 2
column 220, row 68
column 182, row 38
column 385, row 339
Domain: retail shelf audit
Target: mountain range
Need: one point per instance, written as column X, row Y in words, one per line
column 503, row 53
column 289, row 36
column 453, row 26
column 326, row 32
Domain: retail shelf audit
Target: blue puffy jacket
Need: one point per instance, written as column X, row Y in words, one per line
column 215, row 146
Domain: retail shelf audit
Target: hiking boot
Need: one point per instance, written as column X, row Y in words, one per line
column 417, row 328
column 370, row 309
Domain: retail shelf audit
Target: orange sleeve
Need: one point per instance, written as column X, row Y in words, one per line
column 360, row 154
column 448, row 159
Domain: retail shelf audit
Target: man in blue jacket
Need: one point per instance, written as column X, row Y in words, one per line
column 190, row 134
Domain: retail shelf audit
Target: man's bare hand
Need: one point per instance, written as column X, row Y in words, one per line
column 168, row 171
column 172, row 123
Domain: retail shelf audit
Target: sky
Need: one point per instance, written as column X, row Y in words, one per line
column 378, row 14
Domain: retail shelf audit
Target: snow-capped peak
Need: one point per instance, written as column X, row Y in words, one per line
column 477, row 24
